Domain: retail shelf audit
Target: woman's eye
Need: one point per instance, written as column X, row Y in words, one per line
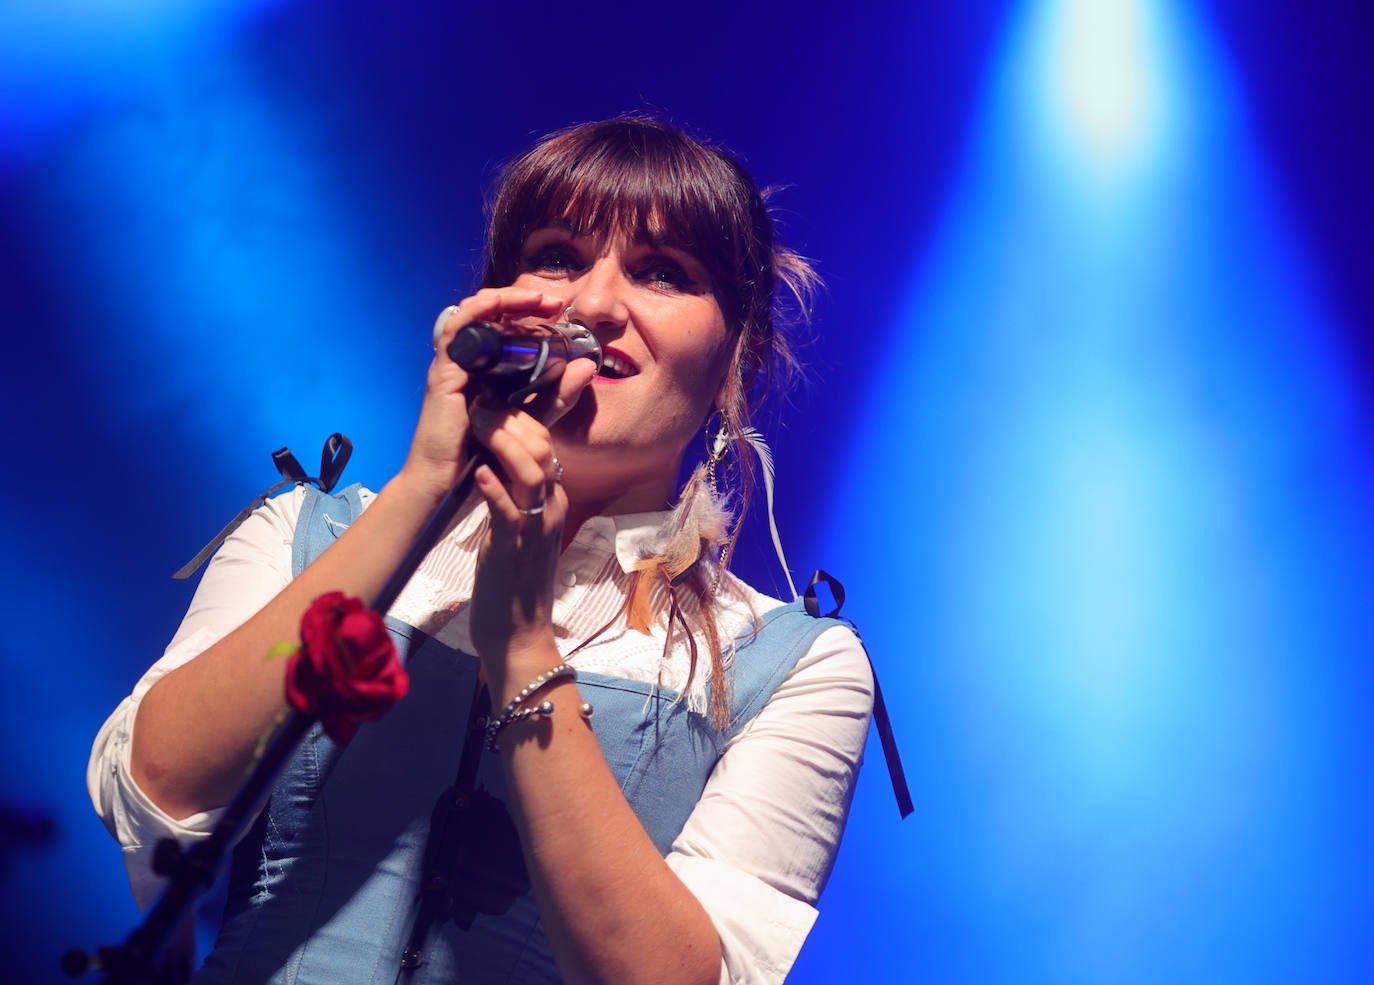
column 667, row 273
column 552, row 260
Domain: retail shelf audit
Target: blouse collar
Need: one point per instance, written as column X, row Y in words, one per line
column 633, row 536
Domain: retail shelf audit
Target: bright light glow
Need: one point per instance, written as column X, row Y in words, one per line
column 1100, row 569
column 58, row 57
column 1097, row 83
column 1105, row 75
column 230, row 190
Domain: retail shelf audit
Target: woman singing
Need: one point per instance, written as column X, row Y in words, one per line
column 675, row 815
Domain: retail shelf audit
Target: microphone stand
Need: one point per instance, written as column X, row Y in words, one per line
column 141, row 958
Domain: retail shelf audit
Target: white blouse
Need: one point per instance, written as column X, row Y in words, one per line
column 757, row 848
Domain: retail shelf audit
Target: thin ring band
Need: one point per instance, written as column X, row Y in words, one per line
column 533, row 510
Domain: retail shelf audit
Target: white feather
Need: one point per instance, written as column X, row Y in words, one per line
column 765, row 455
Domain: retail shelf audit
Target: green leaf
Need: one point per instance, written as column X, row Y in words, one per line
column 283, row 650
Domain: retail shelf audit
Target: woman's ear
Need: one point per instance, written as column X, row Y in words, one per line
column 724, row 402
column 730, row 392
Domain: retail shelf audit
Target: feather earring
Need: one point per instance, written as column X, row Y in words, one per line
column 699, row 523
column 754, row 440
column 702, row 522
column 719, row 443
column 701, row 528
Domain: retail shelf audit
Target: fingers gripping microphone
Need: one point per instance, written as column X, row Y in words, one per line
column 515, row 361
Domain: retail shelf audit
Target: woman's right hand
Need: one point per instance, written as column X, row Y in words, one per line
column 438, row 451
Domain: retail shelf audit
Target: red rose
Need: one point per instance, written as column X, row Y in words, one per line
column 346, row 670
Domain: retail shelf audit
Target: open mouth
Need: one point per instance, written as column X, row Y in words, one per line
column 616, row 365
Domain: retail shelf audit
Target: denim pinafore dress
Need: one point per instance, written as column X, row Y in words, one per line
column 327, row 887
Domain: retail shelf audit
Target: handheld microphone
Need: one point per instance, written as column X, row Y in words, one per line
column 513, row 361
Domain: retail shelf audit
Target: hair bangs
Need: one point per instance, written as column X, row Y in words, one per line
column 641, row 181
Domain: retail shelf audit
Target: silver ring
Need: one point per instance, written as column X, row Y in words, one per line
column 440, row 322
column 533, row 510
column 557, row 469
column 568, row 318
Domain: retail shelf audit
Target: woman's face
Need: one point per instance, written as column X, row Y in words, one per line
column 652, row 308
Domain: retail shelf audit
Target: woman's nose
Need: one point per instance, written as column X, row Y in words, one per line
column 599, row 296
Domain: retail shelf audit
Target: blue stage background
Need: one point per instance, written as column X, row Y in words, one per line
column 1087, row 433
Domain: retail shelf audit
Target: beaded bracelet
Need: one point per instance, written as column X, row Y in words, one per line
column 538, row 684
column 514, row 713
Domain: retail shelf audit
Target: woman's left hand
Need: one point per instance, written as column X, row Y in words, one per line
column 512, row 599
column 562, row 794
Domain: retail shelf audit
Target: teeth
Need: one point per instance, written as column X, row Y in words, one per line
column 615, row 364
